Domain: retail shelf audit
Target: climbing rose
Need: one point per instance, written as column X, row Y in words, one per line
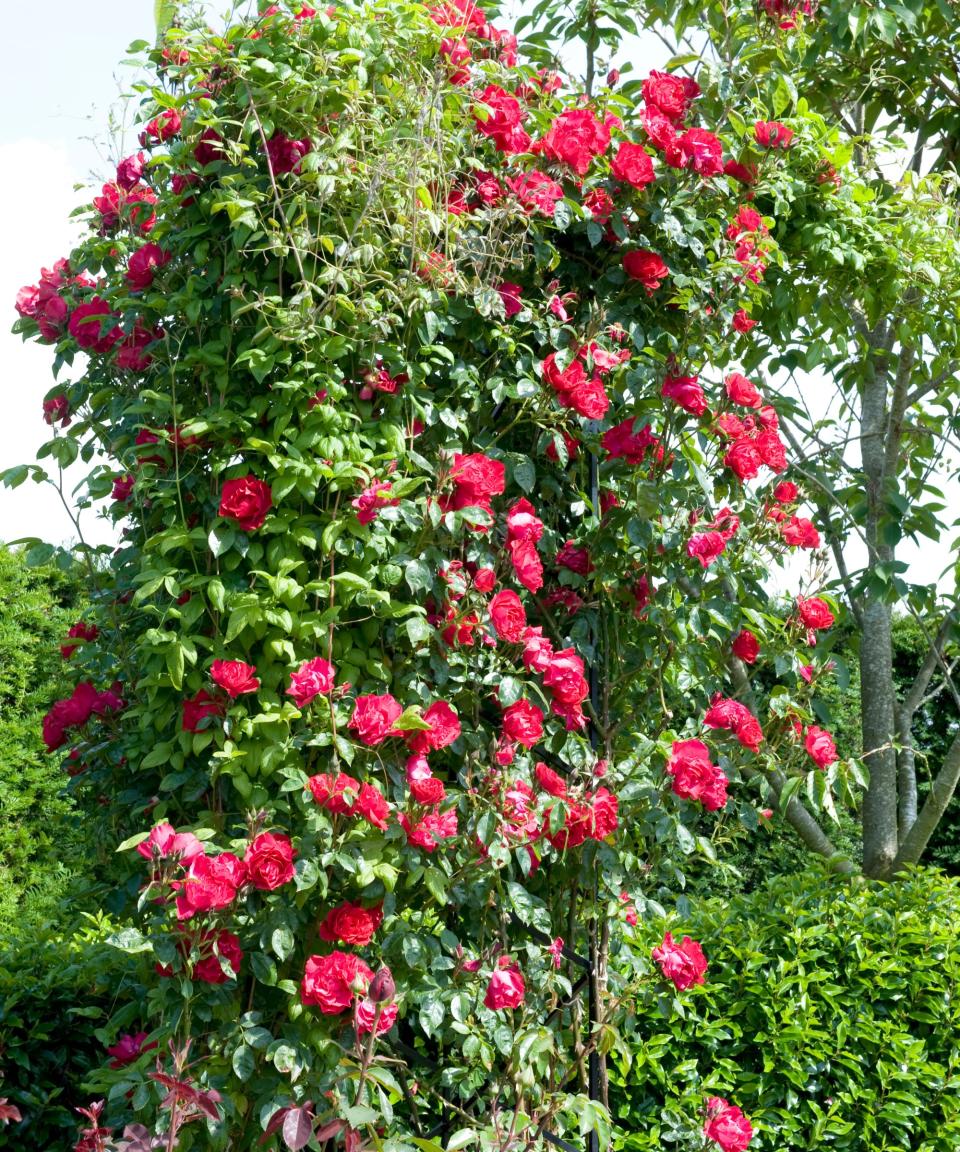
column 209, row 147
column 523, row 723
column 429, row 831
column 623, row 443
column 686, row 393
column 130, row 170
column 746, row 646
column 372, row 806
column 476, row 479
column 197, row 708
column 269, row 861
column 506, row 988
column 814, row 613
column 727, row 1125
column 86, row 326
column 330, row 982
column 550, row 781
column 367, row 1014
column 523, row 522
column 142, row 265
column 313, row 678
column 372, row 499
column 632, row 165
column 209, row 968
column 786, row 492
column 166, row 843
column 338, row 794
column 736, row 718
column 743, row 459
column 820, row 747
column 694, row 776
column 128, row 1048
column 211, row 883
column 511, row 295
column 647, row 267
column 701, row 151
column 799, row 532
column 684, row 963
column 81, row 631
column 772, row 134
column 670, row 95
column 706, row 547
column 742, row 391
column 574, row 559
column 234, row 677
column 499, row 117
column 535, row 189
column 444, row 729
column 351, row 924
column 162, row 127
column 374, row 717
column 246, row 500
column 508, row 616
column 574, row 138
column 742, row 322
column 284, row 155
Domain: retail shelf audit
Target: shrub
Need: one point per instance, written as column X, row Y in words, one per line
column 829, row 1013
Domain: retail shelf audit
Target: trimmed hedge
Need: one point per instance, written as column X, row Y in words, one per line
column 830, row 1014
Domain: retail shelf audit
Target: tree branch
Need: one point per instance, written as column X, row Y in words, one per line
column 941, row 793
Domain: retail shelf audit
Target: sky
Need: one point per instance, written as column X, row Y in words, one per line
column 60, row 89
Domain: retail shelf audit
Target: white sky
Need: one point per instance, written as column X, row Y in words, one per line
column 58, row 89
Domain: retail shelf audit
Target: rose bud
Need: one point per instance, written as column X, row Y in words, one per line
column 382, row 987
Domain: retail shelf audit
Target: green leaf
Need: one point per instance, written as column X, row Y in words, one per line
column 244, row 1062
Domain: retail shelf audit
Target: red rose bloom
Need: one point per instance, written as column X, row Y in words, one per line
column 208, row 148
column 621, row 442
column 162, row 127
column 86, row 326
column 527, row 565
column 799, row 532
column 694, row 776
column 338, row 794
column 736, row 718
column 574, row 559
column 508, row 616
column 550, row 781
column 284, row 155
column 670, row 95
column 197, row 708
column 234, row 677
column 511, row 295
column 373, row 718
column 632, row 165
column 746, row 646
column 742, row 322
column 313, row 678
column 142, row 265
column 476, row 480
column 701, row 151
column 771, row 450
column 814, row 613
column 743, row 459
column 128, row 1048
column 372, row 806
column 706, row 547
column 742, row 391
column 589, row 399
column 563, row 677
column 351, row 924
column 269, row 861
column 506, row 988
column 727, row 1125
column 246, row 500
column 820, row 747
column 499, row 117
column 224, row 946
column 786, row 492
column 332, row 982
column 536, row 190
column 444, row 728
column 211, row 883
column 683, row 963
column 523, row 723
column 647, row 267
column 686, row 393
column 130, row 170
column 772, row 134
column 574, row 138
column 428, row 791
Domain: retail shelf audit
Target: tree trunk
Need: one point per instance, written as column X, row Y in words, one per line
column 906, row 774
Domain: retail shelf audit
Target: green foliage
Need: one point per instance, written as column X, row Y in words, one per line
column 37, row 829
column 59, row 981
column 829, row 1013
